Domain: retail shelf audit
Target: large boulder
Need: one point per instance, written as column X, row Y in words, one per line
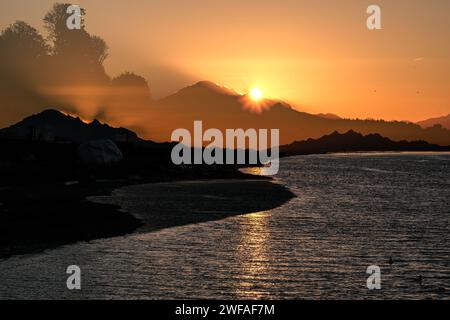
column 99, row 152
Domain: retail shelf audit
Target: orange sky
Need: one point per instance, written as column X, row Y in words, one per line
column 317, row 55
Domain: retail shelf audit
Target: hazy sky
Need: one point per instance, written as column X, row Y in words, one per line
column 317, row 55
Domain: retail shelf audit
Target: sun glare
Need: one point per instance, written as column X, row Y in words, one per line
column 256, row 94
column 255, row 101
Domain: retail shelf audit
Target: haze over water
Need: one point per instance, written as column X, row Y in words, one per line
column 351, row 211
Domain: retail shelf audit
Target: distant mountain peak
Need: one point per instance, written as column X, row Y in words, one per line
column 349, row 134
column 206, row 84
column 353, row 132
column 444, row 121
column 211, row 87
column 95, row 122
column 49, row 114
column 53, row 125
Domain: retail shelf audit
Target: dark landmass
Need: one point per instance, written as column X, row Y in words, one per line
column 54, row 126
column 355, row 142
column 168, row 204
column 439, row 122
column 39, row 217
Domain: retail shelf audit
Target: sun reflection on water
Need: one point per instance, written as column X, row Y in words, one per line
column 253, row 254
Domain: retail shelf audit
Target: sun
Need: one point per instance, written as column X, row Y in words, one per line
column 255, row 101
column 256, row 94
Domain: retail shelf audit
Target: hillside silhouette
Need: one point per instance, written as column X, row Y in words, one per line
column 352, row 141
column 221, row 108
column 54, row 126
column 439, row 121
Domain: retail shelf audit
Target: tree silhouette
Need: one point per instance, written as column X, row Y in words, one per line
column 24, row 55
column 37, row 73
column 21, row 49
column 55, row 24
column 73, row 43
column 77, row 55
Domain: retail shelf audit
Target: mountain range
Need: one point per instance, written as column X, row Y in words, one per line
column 217, row 107
column 54, row 126
column 223, row 108
column 352, row 141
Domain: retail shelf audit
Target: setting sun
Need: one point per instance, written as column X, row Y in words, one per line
column 256, row 94
column 255, row 101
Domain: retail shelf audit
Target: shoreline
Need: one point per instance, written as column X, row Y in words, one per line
column 170, row 204
column 35, row 218
column 387, row 152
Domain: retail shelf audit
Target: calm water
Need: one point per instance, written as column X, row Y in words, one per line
column 351, row 211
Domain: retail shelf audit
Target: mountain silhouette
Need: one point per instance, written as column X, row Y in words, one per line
column 51, row 125
column 54, row 126
column 223, row 108
column 352, row 141
column 443, row 121
column 329, row 116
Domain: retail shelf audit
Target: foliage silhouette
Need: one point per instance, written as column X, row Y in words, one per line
column 64, row 70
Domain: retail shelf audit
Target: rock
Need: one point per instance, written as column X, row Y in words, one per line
column 99, row 152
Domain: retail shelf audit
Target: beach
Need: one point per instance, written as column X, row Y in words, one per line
column 36, row 217
column 170, row 204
